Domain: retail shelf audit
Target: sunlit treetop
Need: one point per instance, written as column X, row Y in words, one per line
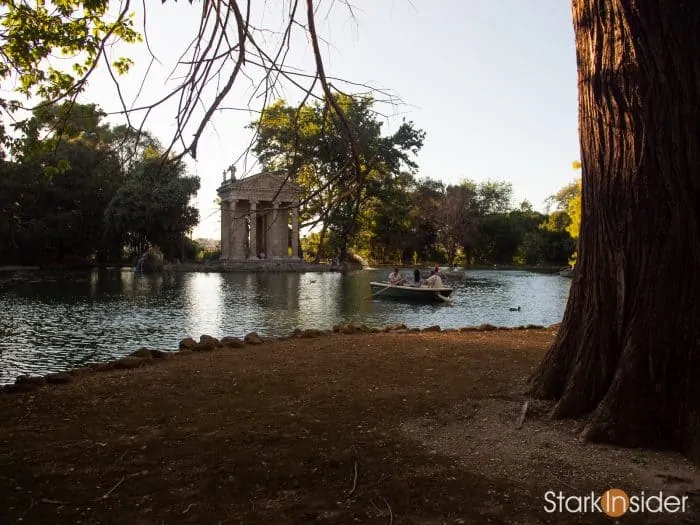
column 35, row 34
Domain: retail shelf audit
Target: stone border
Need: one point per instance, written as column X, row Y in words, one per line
column 147, row 356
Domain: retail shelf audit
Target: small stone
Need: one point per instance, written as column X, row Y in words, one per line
column 253, row 339
column 187, row 343
column 231, row 342
column 209, row 340
column 30, row 380
column 58, row 378
column 143, row 353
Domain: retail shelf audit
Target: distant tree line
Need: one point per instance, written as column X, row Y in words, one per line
column 389, row 214
column 420, row 220
column 78, row 190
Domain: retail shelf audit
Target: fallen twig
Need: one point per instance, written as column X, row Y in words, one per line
column 354, row 482
column 521, row 418
column 188, row 508
column 391, row 514
column 115, row 487
column 52, row 501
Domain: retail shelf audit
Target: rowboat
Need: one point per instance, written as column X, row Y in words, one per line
column 422, row 294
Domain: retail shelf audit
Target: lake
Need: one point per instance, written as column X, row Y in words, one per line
column 52, row 321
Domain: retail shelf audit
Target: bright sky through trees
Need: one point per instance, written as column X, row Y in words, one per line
column 492, row 82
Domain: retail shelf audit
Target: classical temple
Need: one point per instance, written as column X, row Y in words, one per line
column 259, row 217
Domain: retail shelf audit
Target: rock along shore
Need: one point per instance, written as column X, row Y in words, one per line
column 207, row 343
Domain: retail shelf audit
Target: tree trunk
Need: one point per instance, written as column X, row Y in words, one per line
column 628, row 350
column 321, row 240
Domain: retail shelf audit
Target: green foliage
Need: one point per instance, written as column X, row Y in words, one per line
column 557, row 221
column 568, row 201
column 152, row 206
column 68, row 172
column 573, row 209
column 78, row 31
column 59, row 189
column 312, row 145
column 561, row 199
column 313, row 247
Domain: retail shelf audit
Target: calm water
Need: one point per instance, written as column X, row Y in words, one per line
column 56, row 321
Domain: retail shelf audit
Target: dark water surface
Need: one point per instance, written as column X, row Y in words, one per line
column 56, row 321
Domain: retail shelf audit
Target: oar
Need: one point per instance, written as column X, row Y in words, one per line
column 446, row 299
column 367, row 298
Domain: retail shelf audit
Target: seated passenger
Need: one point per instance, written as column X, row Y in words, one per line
column 417, row 281
column 434, row 281
column 396, row 279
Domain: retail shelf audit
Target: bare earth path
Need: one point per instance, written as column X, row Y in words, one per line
column 388, row 428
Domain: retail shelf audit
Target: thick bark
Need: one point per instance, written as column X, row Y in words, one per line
column 628, row 349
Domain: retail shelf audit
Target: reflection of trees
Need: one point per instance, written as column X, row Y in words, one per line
column 130, row 284
column 279, row 290
column 352, row 295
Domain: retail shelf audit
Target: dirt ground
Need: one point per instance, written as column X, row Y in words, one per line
column 387, row 428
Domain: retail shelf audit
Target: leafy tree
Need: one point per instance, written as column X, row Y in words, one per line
column 568, row 201
column 573, row 210
column 425, row 224
column 389, row 219
column 152, row 207
column 561, row 199
column 79, row 30
column 458, row 216
column 311, row 144
column 65, row 175
column 494, row 197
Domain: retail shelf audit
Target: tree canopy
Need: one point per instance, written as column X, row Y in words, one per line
column 69, row 195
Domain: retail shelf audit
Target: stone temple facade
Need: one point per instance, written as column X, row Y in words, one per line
column 259, row 218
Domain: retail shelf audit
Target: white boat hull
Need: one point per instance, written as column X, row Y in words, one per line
column 410, row 293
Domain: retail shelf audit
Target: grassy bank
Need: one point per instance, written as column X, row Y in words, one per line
column 384, row 428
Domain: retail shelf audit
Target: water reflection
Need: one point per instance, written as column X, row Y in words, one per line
column 56, row 321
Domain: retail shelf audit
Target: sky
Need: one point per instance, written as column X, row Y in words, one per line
column 491, row 82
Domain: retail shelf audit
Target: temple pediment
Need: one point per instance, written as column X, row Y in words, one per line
column 262, row 186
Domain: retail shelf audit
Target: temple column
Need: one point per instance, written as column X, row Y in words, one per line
column 274, row 231
column 295, row 232
column 233, row 233
column 225, row 228
column 253, row 230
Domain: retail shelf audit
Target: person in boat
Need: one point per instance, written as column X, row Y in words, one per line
column 396, row 279
column 417, row 280
column 434, row 281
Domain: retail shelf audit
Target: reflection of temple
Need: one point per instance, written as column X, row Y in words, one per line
column 259, row 217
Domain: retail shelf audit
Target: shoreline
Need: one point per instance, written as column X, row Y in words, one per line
column 146, row 356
